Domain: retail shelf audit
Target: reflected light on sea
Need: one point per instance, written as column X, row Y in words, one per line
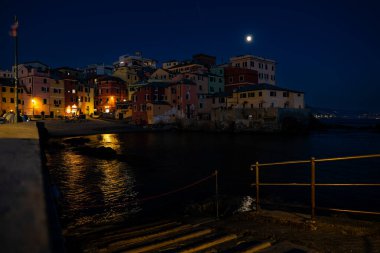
column 93, row 191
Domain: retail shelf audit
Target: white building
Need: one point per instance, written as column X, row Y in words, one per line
column 265, row 68
column 98, row 69
column 6, row 74
column 136, row 60
column 169, row 64
column 266, row 96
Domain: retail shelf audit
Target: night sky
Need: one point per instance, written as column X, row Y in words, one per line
column 331, row 51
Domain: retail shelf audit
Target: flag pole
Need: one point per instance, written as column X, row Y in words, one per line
column 15, row 35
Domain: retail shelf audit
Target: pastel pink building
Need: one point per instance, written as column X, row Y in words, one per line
column 35, row 77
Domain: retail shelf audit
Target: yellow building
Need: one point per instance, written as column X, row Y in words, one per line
column 127, row 74
column 85, row 99
column 7, row 95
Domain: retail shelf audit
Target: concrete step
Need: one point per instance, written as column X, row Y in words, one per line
column 173, row 236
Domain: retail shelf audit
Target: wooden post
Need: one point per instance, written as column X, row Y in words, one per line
column 312, row 188
column 216, row 194
column 257, row 187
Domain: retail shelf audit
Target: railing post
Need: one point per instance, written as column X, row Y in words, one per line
column 216, row 194
column 257, row 187
column 312, row 188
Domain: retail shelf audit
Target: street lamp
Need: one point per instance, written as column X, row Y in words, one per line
column 33, row 102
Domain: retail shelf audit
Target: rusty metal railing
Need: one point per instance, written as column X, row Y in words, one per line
column 256, row 167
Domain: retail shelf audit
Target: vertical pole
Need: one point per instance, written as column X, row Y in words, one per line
column 257, row 188
column 216, row 194
column 16, row 73
column 312, row 186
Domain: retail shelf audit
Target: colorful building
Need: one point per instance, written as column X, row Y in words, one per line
column 265, row 68
column 57, row 98
column 236, row 77
column 266, row 96
column 36, row 80
column 110, row 90
column 152, row 94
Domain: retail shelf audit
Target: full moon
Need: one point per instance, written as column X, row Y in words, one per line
column 248, row 38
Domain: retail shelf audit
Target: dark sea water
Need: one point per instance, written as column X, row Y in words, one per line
column 93, row 190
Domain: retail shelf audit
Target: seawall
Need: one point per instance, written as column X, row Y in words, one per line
column 24, row 211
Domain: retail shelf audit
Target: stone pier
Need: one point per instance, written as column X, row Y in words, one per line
column 23, row 213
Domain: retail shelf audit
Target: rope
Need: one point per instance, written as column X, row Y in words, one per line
column 177, row 190
column 156, row 196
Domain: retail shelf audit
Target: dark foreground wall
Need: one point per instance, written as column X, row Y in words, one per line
column 23, row 212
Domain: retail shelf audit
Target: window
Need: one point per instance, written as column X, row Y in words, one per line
column 243, row 95
column 251, row 94
column 200, row 105
column 299, row 94
column 252, row 63
column 200, row 87
column 285, row 94
column 4, row 89
column 261, row 105
column 272, row 67
column 260, row 93
column 272, row 94
column 147, row 97
column 4, row 100
column 245, row 64
column 211, row 89
column 45, row 81
column 231, row 79
column 18, row 101
column 12, row 100
column 12, row 90
column 266, row 66
column 187, row 96
column 220, row 80
column 44, row 101
column 241, row 78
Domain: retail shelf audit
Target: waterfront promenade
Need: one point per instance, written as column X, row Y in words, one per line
column 62, row 128
column 23, row 215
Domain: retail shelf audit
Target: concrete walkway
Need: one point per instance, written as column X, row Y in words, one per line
column 23, row 219
column 62, row 128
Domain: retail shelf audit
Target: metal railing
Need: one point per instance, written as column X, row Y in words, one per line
column 256, row 167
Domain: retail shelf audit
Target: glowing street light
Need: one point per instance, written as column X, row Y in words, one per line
column 33, row 102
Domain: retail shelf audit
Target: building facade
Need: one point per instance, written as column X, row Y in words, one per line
column 265, row 68
column 265, row 96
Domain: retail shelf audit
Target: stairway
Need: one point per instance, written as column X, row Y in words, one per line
column 174, row 236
